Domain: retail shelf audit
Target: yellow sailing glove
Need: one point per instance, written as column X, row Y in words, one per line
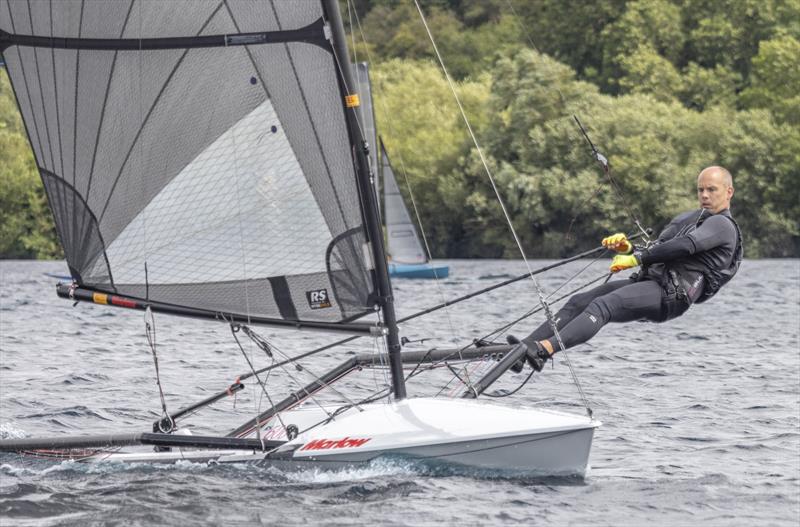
column 618, row 242
column 624, row 261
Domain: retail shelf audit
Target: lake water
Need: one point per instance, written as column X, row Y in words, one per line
column 701, row 416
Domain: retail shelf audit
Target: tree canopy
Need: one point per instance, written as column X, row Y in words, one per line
column 665, row 88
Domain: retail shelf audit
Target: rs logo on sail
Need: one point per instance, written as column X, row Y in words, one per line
column 327, row 444
column 318, row 299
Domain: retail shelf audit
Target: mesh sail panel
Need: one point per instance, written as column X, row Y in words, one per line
column 403, row 243
column 216, row 177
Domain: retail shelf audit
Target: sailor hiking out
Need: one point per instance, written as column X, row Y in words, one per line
column 694, row 256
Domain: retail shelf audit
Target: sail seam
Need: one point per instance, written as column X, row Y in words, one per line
column 41, row 95
column 55, row 88
column 105, row 104
column 75, row 120
column 150, row 112
column 27, row 89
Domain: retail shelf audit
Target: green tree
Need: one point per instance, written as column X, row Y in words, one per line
column 650, row 28
column 775, row 79
column 427, row 141
column 645, row 71
column 704, row 88
column 26, row 226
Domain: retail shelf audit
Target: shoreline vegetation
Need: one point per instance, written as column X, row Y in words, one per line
column 664, row 88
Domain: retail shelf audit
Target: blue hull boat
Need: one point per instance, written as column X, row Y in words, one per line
column 424, row 270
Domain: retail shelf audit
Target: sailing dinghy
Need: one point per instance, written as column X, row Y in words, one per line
column 205, row 160
column 407, row 257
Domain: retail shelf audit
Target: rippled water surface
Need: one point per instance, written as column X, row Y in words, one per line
column 701, row 415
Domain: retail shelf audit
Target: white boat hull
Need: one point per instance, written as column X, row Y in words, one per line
column 461, row 432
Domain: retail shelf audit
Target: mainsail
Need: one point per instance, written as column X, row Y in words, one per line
column 403, row 243
column 195, row 153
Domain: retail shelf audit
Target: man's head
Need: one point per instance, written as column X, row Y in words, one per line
column 715, row 189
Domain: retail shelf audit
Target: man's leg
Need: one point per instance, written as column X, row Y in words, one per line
column 634, row 301
column 575, row 306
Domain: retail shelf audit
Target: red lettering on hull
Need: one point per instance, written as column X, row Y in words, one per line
column 328, row 444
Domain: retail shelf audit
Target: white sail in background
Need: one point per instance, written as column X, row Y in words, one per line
column 403, row 242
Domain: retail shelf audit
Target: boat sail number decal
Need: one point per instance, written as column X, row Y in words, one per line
column 318, row 299
column 327, row 444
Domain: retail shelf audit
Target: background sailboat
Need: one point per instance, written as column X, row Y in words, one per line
column 407, row 255
column 408, row 258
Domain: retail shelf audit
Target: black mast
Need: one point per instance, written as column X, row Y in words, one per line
column 371, row 215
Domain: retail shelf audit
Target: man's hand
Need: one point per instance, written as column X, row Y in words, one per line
column 618, row 242
column 624, row 261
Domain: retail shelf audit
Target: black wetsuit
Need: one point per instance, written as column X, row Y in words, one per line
column 695, row 255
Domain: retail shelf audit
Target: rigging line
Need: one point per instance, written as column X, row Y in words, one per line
column 502, row 205
column 140, row 150
column 576, row 275
column 166, row 419
column 428, row 253
column 258, row 423
column 363, row 200
column 150, row 333
column 515, row 390
column 236, row 184
column 539, row 270
column 600, row 158
column 357, row 73
column 502, row 329
column 262, row 342
column 379, row 343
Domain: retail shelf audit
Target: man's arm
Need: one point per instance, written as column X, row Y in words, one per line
column 715, row 231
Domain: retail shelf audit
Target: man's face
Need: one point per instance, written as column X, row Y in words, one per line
column 713, row 192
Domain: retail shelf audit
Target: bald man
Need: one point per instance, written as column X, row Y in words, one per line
column 694, row 256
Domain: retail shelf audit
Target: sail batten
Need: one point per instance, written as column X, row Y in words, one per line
column 195, row 154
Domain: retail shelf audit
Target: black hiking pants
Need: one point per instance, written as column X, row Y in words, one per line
column 619, row 301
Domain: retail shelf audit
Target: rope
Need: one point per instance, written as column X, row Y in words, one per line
column 150, row 333
column 262, row 343
column 234, row 329
column 539, row 292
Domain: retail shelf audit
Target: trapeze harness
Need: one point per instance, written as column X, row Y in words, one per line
column 698, row 276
